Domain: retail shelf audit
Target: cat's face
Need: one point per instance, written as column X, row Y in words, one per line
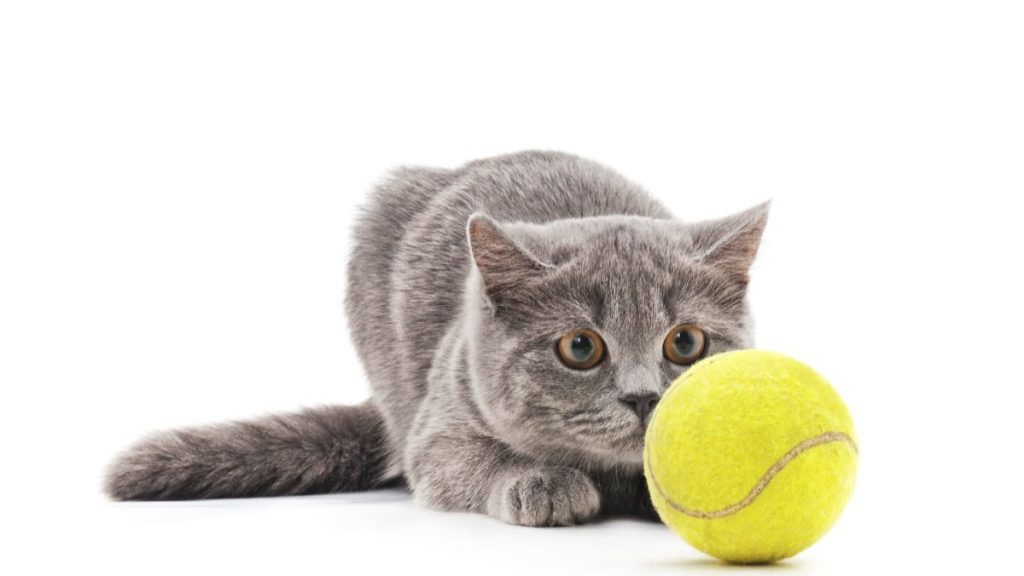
column 580, row 325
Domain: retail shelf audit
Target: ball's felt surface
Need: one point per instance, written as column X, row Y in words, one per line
column 750, row 456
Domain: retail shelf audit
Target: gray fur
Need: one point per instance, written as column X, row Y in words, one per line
column 460, row 284
column 308, row 452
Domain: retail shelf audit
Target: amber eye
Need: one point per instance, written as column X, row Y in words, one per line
column 685, row 344
column 581, row 349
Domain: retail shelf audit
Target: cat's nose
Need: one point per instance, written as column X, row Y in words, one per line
column 642, row 404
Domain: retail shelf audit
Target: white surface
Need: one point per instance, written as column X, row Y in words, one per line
column 178, row 182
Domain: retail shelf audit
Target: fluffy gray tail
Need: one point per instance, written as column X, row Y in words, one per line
column 315, row 451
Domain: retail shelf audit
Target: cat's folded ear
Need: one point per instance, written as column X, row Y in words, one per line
column 730, row 244
column 504, row 265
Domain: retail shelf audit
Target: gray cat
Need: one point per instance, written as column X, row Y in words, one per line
column 518, row 318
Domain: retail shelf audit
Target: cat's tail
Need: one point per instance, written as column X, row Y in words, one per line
column 314, row 451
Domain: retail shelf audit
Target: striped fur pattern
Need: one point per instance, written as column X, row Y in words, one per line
column 461, row 283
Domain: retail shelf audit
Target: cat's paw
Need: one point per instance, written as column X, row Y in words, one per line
column 545, row 497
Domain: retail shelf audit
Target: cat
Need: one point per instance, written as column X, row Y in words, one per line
column 517, row 318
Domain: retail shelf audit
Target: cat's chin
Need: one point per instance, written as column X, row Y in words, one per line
column 627, row 450
column 629, row 459
column 623, row 452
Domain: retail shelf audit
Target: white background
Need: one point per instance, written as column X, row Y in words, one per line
column 178, row 181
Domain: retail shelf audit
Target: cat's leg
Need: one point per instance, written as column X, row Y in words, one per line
column 544, row 496
column 624, row 492
column 480, row 474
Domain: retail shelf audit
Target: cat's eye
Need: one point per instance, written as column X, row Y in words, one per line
column 581, row 349
column 685, row 344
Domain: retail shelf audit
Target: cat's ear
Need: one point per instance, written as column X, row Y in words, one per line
column 730, row 244
column 504, row 265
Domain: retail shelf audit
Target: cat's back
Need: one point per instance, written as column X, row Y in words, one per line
column 411, row 257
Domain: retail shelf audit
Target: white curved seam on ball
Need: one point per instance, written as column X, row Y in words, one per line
column 826, row 438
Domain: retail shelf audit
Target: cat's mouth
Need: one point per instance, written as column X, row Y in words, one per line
column 628, row 447
column 615, row 437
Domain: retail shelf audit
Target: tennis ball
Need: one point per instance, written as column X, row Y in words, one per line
column 750, row 456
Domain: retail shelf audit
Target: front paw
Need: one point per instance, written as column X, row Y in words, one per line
column 545, row 497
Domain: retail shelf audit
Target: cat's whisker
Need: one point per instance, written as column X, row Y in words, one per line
column 498, row 346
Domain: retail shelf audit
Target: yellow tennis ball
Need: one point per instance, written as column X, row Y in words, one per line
column 750, row 456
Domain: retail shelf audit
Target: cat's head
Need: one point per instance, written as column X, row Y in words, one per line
column 578, row 326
